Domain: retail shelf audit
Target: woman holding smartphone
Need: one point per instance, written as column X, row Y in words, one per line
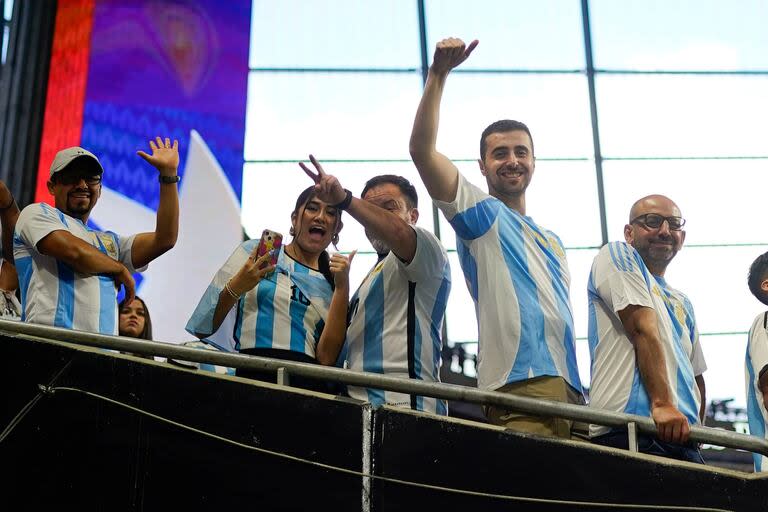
column 293, row 308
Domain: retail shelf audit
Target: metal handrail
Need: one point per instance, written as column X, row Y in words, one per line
column 374, row 380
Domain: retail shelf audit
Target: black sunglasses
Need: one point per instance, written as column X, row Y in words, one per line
column 654, row 221
column 74, row 179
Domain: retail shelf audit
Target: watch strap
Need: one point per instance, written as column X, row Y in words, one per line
column 169, row 179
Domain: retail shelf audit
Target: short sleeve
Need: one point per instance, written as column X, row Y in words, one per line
column 125, row 243
column 698, row 362
column 472, row 213
column 428, row 261
column 618, row 277
column 697, row 358
column 37, row 221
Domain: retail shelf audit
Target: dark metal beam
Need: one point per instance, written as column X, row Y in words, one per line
column 593, row 114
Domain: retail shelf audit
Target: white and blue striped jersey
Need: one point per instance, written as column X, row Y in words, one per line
column 286, row 310
column 517, row 274
column 757, row 359
column 52, row 293
column 619, row 278
column 396, row 320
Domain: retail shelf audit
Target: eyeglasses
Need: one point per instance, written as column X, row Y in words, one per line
column 654, row 221
column 74, row 179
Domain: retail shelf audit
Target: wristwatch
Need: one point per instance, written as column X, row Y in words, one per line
column 170, row 179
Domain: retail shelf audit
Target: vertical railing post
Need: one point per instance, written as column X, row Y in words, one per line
column 632, row 436
column 367, row 463
column 283, row 377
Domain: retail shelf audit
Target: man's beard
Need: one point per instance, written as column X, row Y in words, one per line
column 378, row 245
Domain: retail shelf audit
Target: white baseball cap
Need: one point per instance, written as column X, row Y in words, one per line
column 69, row 155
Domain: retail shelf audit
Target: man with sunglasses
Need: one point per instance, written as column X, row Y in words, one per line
column 69, row 273
column 643, row 341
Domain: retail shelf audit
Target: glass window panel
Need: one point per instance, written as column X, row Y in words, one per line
column 583, row 361
column 657, row 116
column 580, row 263
column 680, row 35
column 554, row 107
column 723, row 201
column 550, row 200
column 361, row 265
column 460, row 312
column 469, row 365
column 509, row 32
column 715, row 280
column 335, row 34
column 334, row 115
column 270, row 191
column 725, row 367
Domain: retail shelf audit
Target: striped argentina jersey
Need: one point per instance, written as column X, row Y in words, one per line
column 619, row 278
column 757, row 359
column 52, row 293
column 518, row 276
column 286, row 310
column 396, row 318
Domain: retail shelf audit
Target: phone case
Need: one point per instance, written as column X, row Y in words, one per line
column 270, row 242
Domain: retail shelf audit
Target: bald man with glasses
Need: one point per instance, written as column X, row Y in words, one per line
column 643, row 341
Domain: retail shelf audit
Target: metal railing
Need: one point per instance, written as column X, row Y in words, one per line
column 632, row 423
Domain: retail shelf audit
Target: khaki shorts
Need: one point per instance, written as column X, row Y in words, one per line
column 546, row 388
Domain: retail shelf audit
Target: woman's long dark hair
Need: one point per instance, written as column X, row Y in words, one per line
column 324, row 261
column 146, row 333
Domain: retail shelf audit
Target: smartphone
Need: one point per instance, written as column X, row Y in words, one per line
column 270, row 243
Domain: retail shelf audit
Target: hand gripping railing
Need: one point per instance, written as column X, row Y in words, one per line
column 632, row 422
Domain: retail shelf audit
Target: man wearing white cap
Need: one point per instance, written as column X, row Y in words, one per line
column 69, row 273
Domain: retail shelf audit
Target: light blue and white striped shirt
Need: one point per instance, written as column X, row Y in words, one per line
column 52, row 293
column 619, row 278
column 286, row 310
column 757, row 359
column 517, row 274
column 396, row 319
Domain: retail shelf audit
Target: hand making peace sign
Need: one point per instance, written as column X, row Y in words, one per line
column 327, row 187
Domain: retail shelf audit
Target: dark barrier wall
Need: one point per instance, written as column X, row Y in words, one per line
column 74, row 450
column 492, row 461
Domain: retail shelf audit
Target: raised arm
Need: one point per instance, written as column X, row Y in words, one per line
column 642, row 329
column 335, row 330
column 85, row 258
column 381, row 223
column 439, row 174
column 148, row 246
column 9, row 213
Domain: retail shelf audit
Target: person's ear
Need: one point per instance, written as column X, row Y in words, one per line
column 482, row 167
column 294, row 216
column 629, row 235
